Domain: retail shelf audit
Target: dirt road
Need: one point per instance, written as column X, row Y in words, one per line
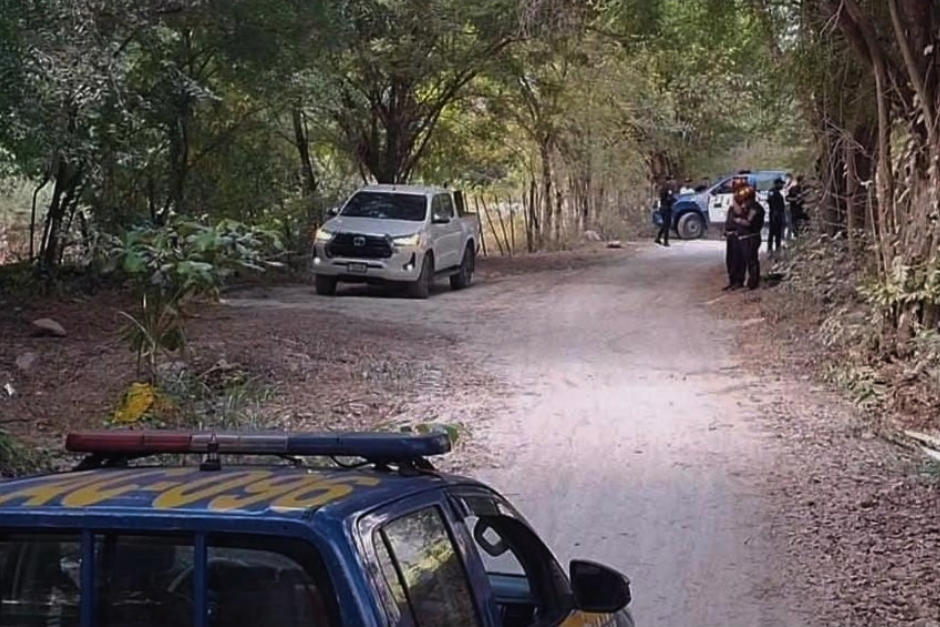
column 628, row 434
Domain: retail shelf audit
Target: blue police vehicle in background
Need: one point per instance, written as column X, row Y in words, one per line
column 694, row 213
column 246, row 541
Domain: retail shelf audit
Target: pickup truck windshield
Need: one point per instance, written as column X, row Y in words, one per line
column 386, row 206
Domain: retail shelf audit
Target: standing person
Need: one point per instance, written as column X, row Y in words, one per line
column 796, row 199
column 750, row 224
column 734, row 254
column 667, row 198
column 778, row 216
column 687, row 187
column 734, row 259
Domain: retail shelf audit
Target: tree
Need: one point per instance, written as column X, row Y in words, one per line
column 406, row 61
column 142, row 110
column 59, row 67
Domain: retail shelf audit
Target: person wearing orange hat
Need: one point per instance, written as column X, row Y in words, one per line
column 750, row 222
column 735, row 261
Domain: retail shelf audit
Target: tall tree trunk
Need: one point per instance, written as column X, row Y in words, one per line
column 545, row 154
column 67, row 178
column 532, row 224
column 302, row 143
column 851, row 190
column 32, row 216
column 179, row 160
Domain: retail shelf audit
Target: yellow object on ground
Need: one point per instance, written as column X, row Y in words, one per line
column 137, row 401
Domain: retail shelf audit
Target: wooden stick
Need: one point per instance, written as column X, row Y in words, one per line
column 480, row 221
column 502, row 223
column 525, row 220
column 512, row 224
column 481, row 201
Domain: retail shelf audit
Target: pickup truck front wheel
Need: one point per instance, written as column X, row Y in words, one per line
column 691, row 226
column 464, row 276
column 422, row 287
column 326, row 285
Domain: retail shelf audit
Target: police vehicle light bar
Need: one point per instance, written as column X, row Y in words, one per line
column 371, row 446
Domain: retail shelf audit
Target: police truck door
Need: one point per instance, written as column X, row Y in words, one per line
column 719, row 202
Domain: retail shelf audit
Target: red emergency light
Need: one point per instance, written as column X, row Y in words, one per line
column 372, row 446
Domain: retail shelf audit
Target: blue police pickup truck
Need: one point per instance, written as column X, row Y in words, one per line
column 276, row 542
column 694, row 213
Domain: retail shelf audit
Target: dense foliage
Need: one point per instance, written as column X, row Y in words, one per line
column 116, row 113
column 869, row 85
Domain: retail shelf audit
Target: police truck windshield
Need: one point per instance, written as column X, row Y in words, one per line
column 386, row 206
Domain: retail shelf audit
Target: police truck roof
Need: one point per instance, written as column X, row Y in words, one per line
column 382, row 447
column 108, row 486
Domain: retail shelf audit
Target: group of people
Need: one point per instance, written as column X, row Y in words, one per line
column 745, row 223
column 746, row 220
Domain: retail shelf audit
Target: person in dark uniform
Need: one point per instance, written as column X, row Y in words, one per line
column 778, row 216
column 734, row 260
column 734, row 254
column 796, row 198
column 667, row 198
column 749, row 227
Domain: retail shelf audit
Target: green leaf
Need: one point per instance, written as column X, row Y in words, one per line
column 134, row 263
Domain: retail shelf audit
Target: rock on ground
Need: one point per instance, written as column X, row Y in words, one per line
column 26, row 361
column 48, row 327
column 592, row 236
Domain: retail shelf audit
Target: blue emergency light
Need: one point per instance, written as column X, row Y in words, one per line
column 390, row 447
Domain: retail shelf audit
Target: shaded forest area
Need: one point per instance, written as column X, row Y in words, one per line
column 120, row 113
column 869, row 89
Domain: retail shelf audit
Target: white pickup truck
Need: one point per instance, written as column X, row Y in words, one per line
column 397, row 234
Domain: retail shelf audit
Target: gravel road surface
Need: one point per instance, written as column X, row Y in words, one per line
column 630, row 432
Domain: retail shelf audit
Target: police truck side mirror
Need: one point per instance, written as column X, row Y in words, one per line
column 597, row 588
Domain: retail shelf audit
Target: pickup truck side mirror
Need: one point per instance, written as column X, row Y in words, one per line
column 333, row 212
column 597, row 588
column 439, row 219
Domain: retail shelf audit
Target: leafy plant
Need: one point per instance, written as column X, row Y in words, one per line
column 223, row 396
column 865, row 386
column 157, row 327
column 170, row 265
column 16, row 458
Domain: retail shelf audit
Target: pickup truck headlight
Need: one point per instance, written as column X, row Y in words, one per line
column 322, row 236
column 407, row 240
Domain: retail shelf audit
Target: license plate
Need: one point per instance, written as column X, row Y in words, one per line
column 357, row 268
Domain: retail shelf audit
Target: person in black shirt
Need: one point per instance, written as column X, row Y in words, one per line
column 734, row 259
column 749, row 228
column 778, row 216
column 667, row 198
column 795, row 196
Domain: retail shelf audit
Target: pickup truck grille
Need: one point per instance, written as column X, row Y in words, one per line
column 359, row 246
